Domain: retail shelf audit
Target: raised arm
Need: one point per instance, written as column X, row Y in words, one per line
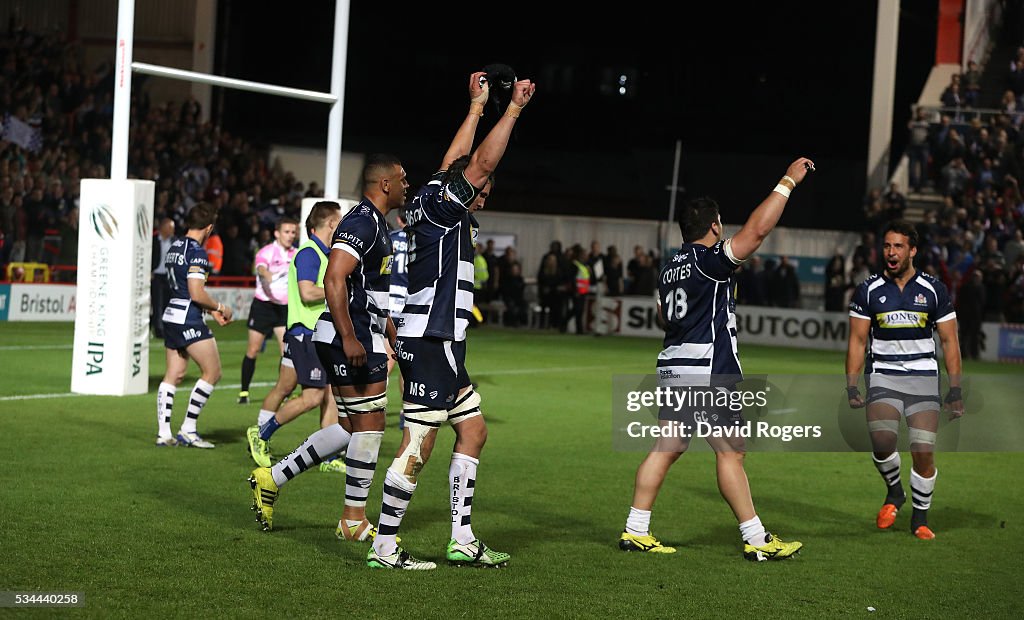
column 486, row 157
column 462, row 143
column 764, row 218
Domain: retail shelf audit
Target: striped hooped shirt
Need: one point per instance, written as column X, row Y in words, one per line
column 439, row 300
column 399, row 270
column 696, row 303
column 363, row 233
column 901, row 342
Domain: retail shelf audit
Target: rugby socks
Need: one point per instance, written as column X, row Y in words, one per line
column 264, row 416
column 267, row 428
column 360, row 463
column 462, row 482
column 397, row 495
column 311, row 453
column 921, row 489
column 638, row 523
column 164, row 405
column 200, row 394
column 889, row 468
column 753, row 532
column 248, row 369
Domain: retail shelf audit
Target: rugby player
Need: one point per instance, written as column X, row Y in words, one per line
column 350, row 342
column 186, row 335
column 431, row 344
column 300, row 364
column 893, row 316
column 697, row 309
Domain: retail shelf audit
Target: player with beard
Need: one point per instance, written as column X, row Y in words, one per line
column 892, row 317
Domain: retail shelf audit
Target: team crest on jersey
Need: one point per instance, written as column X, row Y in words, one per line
column 882, row 299
column 385, row 264
column 920, row 300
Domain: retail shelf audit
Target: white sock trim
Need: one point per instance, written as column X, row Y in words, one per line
column 753, row 532
column 638, row 523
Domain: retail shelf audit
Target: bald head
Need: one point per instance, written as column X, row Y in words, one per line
column 166, row 227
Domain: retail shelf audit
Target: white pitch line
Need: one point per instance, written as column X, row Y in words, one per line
column 235, row 386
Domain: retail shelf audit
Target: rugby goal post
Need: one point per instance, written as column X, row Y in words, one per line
column 111, row 341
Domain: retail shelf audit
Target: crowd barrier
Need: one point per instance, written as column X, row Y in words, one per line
column 57, row 302
column 624, row 316
column 783, row 327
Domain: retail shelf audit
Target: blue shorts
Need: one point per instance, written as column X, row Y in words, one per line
column 300, row 352
column 434, row 370
column 179, row 337
column 339, row 373
column 184, row 325
column 705, row 405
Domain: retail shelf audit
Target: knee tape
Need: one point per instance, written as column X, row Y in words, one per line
column 363, row 404
column 424, row 416
column 466, row 407
column 884, row 426
column 922, row 437
column 339, row 404
column 364, row 446
column 410, row 462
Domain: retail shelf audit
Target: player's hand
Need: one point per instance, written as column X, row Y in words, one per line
column 522, row 92
column 854, row 398
column 222, row 316
column 355, row 353
column 799, row 169
column 479, row 88
column 955, row 400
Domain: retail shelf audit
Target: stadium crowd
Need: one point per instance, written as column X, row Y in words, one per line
column 57, row 125
column 968, row 165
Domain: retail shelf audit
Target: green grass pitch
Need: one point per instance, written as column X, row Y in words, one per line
column 88, row 504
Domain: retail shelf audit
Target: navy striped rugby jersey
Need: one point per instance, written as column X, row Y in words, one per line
column 901, row 340
column 363, row 233
column 399, row 269
column 185, row 259
column 439, row 300
column 697, row 306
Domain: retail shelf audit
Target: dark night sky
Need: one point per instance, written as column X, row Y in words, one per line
column 746, row 88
